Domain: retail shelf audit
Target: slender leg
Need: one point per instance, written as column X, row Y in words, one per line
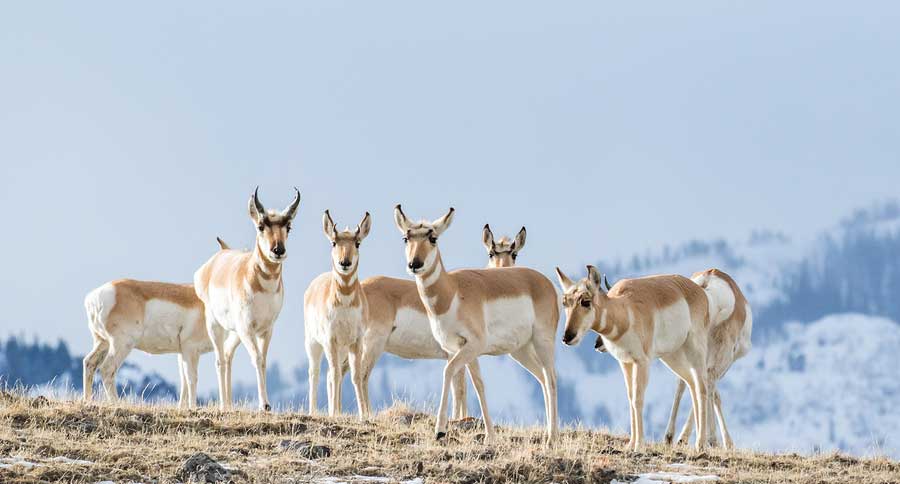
column 89, row 367
column 527, row 357
column 356, row 374
column 231, row 345
column 255, row 345
column 711, row 439
column 627, row 371
column 217, row 335
column 191, row 362
column 373, row 347
column 700, row 406
column 114, row 359
column 544, row 349
column 182, row 377
column 726, row 437
column 688, row 427
column 641, row 375
column 460, row 406
column 475, row 375
column 463, row 357
column 335, row 365
column 673, row 416
column 314, row 357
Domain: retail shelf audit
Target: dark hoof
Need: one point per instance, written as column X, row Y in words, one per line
column 268, row 407
column 669, row 439
column 440, row 435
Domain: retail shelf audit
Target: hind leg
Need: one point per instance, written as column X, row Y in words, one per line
column 118, row 350
column 673, row 416
column 89, row 366
column 544, row 349
column 526, row 357
column 475, row 375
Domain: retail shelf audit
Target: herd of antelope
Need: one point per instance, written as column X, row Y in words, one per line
column 698, row 327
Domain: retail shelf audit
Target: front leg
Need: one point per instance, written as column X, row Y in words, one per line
column 466, row 354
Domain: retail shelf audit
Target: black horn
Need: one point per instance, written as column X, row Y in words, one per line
column 608, row 287
column 257, row 203
column 292, row 208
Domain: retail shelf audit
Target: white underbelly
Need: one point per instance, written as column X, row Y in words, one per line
column 412, row 337
column 164, row 325
column 509, row 324
column 672, row 325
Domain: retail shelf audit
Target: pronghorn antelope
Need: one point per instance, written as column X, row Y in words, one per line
column 729, row 339
column 334, row 314
column 398, row 322
column 502, row 252
column 474, row 312
column 663, row 317
column 154, row 317
column 243, row 294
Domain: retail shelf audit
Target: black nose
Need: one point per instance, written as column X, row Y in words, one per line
column 345, row 264
column 568, row 337
column 278, row 249
column 416, row 264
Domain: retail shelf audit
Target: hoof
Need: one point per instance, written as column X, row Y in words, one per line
column 267, row 408
column 668, row 439
column 440, row 435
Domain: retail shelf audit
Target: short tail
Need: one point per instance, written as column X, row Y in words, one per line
column 222, row 244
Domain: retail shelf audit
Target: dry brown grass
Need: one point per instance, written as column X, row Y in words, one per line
column 128, row 442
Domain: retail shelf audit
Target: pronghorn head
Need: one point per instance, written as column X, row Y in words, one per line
column 421, row 240
column 345, row 244
column 272, row 227
column 502, row 252
column 583, row 302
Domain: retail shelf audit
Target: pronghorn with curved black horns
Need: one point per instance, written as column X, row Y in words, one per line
column 154, row 317
column 335, row 311
column 398, row 322
column 503, row 251
column 665, row 317
column 243, row 293
column 729, row 339
column 474, row 312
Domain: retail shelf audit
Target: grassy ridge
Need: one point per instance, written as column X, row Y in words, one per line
column 124, row 442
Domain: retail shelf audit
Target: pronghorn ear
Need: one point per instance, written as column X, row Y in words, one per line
column 255, row 207
column 291, row 209
column 564, row 282
column 595, row 278
column 328, row 226
column 441, row 224
column 487, row 238
column 400, row 220
column 519, row 243
column 362, row 230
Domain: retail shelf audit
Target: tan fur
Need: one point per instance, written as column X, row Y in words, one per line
column 729, row 340
column 458, row 304
column 121, row 319
column 243, row 294
column 335, row 312
column 642, row 319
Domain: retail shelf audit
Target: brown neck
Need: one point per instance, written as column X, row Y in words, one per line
column 346, row 286
column 437, row 288
column 616, row 316
column 265, row 273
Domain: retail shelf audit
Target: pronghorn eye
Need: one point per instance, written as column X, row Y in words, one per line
column 288, row 228
column 585, row 303
column 405, row 240
column 357, row 244
column 433, row 240
column 261, row 227
column 333, row 243
column 491, row 255
column 514, row 255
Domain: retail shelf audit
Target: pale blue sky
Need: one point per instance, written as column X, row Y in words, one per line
column 132, row 135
